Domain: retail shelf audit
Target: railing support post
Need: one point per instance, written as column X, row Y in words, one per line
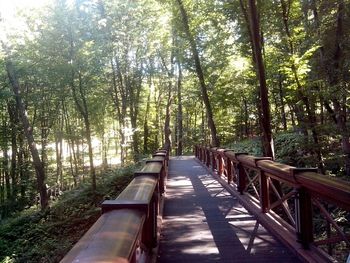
column 162, row 179
column 213, row 161
column 264, row 192
column 242, row 178
column 149, row 235
column 207, row 157
column 229, row 170
column 220, row 165
column 303, row 214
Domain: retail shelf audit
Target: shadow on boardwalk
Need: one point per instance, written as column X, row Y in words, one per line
column 202, row 222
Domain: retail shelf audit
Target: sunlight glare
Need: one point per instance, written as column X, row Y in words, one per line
column 8, row 8
column 10, row 19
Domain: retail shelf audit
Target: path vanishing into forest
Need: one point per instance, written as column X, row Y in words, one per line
column 202, row 222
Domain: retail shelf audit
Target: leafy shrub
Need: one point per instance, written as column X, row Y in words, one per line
column 290, row 148
column 252, row 146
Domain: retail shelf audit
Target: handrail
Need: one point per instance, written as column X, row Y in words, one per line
column 288, row 198
column 127, row 229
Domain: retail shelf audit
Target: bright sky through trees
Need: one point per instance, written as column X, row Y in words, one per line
column 10, row 18
column 8, row 7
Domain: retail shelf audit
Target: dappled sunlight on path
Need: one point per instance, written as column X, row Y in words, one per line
column 204, row 223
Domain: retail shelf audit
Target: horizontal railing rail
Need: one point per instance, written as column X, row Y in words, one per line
column 127, row 229
column 293, row 202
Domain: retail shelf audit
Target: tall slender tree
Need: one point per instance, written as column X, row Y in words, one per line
column 28, row 130
column 204, row 90
column 265, row 118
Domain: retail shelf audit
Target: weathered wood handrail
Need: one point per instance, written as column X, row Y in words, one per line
column 290, row 196
column 127, row 229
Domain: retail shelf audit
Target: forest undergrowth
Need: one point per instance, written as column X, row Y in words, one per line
column 291, row 148
column 46, row 236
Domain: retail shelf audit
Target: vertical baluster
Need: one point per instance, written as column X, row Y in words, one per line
column 242, row 178
column 208, row 157
column 149, row 235
column 303, row 214
column 229, row 170
column 213, row 160
column 264, row 192
column 220, row 164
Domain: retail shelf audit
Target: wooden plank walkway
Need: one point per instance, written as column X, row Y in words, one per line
column 202, row 222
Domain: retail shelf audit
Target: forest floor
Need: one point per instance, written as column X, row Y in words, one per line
column 46, row 236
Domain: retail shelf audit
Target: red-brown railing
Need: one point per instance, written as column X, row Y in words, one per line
column 127, row 228
column 307, row 210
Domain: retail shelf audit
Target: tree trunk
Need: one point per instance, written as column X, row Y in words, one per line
column 281, row 96
column 246, row 118
column 5, row 163
column 203, row 128
column 82, row 108
column 179, row 113
column 145, row 125
column 13, row 113
column 5, row 159
column 211, row 124
column 157, row 118
column 167, row 130
column 74, row 156
column 58, row 147
column 260, row 68
column 134, row 101
column 38, row 165
column 91, row 156
column 22, row 157
column 120, row 106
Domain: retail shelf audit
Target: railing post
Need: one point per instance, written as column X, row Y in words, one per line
column 303, row 217
column 213, row 161
column 264, row 192
column 207, row 157
column 162, row 180
column 220, row 165
column 149, row 235
column 229, row 170
column 201, row 154
column 242, row 178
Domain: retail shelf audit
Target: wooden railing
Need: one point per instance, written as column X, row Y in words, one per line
column 127, row 228
column 307, row 210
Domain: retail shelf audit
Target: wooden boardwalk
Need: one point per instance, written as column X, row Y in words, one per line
column 202, row 222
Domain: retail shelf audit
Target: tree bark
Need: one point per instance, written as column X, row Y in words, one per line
column 118, row 103
column 246, row 118
column 200, row 75
column 5, row 162
column 134, row 89
column 83, row 109
column 283, row 111
column 167, row 130
column 260, row 68
column 179, row 113
column 38, row 165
